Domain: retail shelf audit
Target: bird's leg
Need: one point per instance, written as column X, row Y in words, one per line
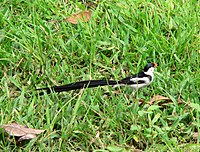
column 134, row 92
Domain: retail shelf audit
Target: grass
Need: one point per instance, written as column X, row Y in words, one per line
column 40, row 48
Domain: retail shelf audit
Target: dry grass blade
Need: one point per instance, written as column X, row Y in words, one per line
column 158, row 98
column 79, row 17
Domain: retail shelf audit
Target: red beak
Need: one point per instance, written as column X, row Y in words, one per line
column 155, row 65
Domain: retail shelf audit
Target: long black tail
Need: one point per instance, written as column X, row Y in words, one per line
column 78, row 85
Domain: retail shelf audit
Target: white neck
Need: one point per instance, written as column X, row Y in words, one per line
column 150, row 72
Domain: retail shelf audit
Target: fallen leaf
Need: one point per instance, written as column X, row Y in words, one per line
column 158, row 98
column 79, row 17
column 195, row 135
column 27, row 137
column 23, row 132
column 14, row 129
column 137, row 150
column 140, row 102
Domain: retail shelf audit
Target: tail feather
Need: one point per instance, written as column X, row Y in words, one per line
column 78, row 85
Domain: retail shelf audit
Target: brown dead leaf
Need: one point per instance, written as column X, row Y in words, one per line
column 23, row 132
column 140, row 102
column 79, row 17
column 27, row 137
column 158, row 98
column 137, row 150
column 195, row 135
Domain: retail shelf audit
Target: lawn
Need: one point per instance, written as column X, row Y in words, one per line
column 39, row 47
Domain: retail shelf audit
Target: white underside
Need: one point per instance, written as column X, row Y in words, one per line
column 134, row 86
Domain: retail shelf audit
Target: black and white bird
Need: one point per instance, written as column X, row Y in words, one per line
column 137, row 81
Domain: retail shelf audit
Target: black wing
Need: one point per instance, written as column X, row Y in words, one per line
column 128, row 81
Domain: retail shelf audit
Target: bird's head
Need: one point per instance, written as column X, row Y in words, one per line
column 149, row 68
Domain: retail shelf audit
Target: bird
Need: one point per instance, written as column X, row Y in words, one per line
column 136, row 81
